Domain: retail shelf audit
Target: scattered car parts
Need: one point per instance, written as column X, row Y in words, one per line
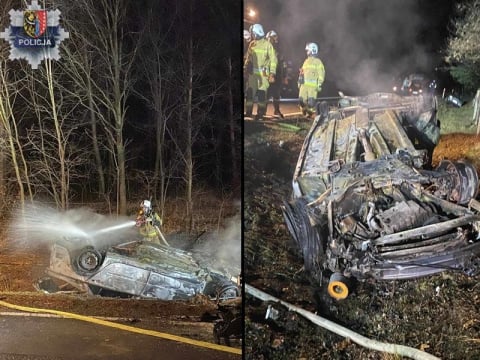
column 454, row 100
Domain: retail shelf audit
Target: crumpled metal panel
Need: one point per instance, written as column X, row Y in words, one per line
column 360, row 135
column 366, row 202
column 171, row 288
column 160, row 272
column 139, row 269
column 120, row 277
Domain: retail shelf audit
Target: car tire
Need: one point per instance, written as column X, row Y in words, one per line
column 221, row 289
column 87, row 261
column 306, row 236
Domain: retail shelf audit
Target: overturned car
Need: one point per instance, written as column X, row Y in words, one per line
column 137, row 269
column 368, row 204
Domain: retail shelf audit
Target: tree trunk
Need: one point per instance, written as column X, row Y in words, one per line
column 10, row 128
column 59, row 136
column 188, row 142
column 93, row 127
column 118, row 113
column 122, row 187
column 159, row 172
column 159, row 187
column 231, row 122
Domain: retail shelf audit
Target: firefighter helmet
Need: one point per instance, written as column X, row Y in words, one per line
column 146, row 206
column 257, row 31
column 272, row 36
column 312, row 49
column 247, row 36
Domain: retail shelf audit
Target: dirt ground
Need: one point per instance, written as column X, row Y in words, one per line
column 439, row 314
column 21, row 267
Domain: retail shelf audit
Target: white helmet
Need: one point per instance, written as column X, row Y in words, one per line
column 272, row 36
column 312, row 49
column 247, row 36
column 146, row 205
column 257, row 31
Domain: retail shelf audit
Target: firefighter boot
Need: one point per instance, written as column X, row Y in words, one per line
column 249, row 103
column 261, row 105
column 276, row 106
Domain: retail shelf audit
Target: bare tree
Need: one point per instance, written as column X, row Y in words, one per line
column 231, row 123
column 11, row 151
column 188, row 113
column 100, row 25
column 8, row 96
column 79, row 64
column 156, row 69
column 224, row 16
column 197, row 94
column 55, row 152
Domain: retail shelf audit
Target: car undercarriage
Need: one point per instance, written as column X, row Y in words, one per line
column 367, row 202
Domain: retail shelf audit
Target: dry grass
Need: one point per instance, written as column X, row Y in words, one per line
column 4, row 283
column 210, row 210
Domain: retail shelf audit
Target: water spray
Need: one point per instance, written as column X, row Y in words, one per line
column 43, row 225
column 115, row 227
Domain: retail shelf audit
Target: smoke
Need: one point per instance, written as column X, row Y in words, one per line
column 222, row 250
column 41, row 225
column 364, row 44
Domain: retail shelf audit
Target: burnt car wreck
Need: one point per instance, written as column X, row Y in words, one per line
column 137, row 269
column 368, row 204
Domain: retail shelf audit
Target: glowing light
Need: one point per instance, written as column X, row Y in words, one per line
column 252, row 13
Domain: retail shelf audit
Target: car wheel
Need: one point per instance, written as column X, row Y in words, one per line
column 221, row 289
column 306, row 236
column 87, row 261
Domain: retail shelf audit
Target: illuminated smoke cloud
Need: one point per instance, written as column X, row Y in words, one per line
column 363, row 43
column 222, row 250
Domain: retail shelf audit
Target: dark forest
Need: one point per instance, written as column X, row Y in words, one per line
column 144, row 102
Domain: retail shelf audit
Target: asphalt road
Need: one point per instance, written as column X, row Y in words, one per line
column 35, row 338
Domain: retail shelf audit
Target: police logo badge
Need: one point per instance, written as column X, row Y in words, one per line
column 35, row 22
column 34, row 34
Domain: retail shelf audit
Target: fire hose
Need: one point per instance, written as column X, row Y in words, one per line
column 142, row 220
column 160, row 235
column 400, row 350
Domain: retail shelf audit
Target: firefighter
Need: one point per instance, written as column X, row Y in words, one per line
column 275, row 88
column 432, row 87
column 310, row 80
column 247, row 37
column 259, row 68
column 149, row 222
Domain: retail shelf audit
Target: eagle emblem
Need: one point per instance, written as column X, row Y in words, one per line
column 35, row 22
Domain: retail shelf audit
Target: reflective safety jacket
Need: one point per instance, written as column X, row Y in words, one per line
column 313, row 72
column 261, row 58
column 147, row 229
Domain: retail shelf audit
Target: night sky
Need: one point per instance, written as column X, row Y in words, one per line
column 364, row 44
